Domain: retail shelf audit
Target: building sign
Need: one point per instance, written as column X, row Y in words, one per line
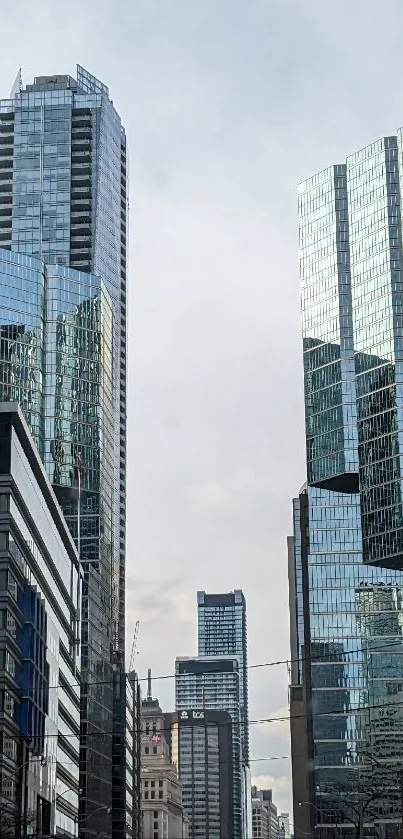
column 155, row 738
column 191, row 715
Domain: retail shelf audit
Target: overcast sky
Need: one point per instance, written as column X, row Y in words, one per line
column 228, row 104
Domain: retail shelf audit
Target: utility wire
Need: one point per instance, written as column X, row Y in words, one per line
column 315, row 661
column 235, row 725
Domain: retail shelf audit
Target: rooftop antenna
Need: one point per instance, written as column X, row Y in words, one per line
column 149, row 694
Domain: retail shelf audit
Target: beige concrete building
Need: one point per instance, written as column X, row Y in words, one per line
column 264, row 815
column 161, row 796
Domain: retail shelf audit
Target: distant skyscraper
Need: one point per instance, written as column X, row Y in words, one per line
column 213, row 683
column 63, row 204
column 222, row 630
column 346, row 557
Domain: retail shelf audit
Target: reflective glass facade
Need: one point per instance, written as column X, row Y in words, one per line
column 63, row 198
column 354, row 647
column 348, row 521
column 63, row 201
column 72, row 392
column 222, row 630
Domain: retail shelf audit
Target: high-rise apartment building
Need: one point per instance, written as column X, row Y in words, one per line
column 40, row 591
column 213, row 683
column 346, row 557
column 201, row 748
column 222, row 631
column 63, row 206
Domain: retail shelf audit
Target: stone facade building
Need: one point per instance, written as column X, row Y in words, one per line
column 161, row 794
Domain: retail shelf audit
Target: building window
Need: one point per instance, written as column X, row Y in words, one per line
column 156, row 814
column 153, row 793
column 146, row 794
column 146, row 783
column 153, row 783
column 8, row 787
column 154, row 750
column 160, row 783
column 4, row 503
column 155, row 834
column 9, row 747
column 8, row 703
column 160, row 794
column 147, row 750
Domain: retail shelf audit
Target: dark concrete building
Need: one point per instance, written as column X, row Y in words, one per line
column 201, row 747
column 126, row 745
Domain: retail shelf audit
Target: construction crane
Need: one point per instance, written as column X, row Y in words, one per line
column 134, row 646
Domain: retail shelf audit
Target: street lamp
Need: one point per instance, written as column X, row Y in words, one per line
column 318, row 810
column 97, row 809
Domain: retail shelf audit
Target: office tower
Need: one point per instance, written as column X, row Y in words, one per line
column 163, row 815
column 213, row 683
column 201, row 747
column 222, row 630
column 346, row 558
column 63, row 201
column 40, row 589
column 264, row 815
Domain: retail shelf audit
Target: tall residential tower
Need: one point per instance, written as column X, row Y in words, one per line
column 346, row 557
column 222, row 631
column 63, row 215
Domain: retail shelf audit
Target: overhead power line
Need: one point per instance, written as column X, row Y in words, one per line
column 287, row 661
column 264, row 720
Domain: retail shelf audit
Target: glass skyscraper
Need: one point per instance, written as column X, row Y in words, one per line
column 222, row 630
column 346, row 557
column 63, row 215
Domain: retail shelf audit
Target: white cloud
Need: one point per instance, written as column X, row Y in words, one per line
column 211, row 495
column 280, row 784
